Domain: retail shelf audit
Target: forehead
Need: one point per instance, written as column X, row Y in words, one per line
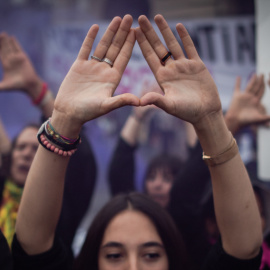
column 131, row 227
column 28, row 135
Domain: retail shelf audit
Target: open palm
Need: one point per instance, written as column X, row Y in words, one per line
column 189, row 90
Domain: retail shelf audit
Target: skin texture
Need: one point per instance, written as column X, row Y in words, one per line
column 23, row 154
column 131, row 242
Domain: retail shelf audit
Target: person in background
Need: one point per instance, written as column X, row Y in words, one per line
column 19, row 74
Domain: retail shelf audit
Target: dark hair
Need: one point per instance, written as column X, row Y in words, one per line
column 164, row 224
column 164, row 162
column 8, row 158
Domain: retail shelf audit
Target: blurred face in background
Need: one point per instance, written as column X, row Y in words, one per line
column 23, row 154
column 158, row 184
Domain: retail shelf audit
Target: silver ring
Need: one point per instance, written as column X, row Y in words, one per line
column 108, row 61
column 96, row 58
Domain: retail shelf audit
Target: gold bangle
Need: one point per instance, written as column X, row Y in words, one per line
column 230, row 151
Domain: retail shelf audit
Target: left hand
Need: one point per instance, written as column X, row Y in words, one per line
column 18, row 71
column 189, row 90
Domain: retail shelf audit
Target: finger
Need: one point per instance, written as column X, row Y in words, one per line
column 119, row 38
column 15, row 44
column 156, row 99
column 107, row 38
column 251, row 84
column 152, row 37
column 125, row 53
column 261, row 87
column 172, row 44
column 147, row 51
column 237, row 85
column 6, row 85
column 5, row 47
column 120, row 101
column 187, row 42
column 88, row 43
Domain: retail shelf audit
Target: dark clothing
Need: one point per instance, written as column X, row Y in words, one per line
column 186, row 208
column 122, row 169
column 79, row 187
column 5, row 256
column 57, row 258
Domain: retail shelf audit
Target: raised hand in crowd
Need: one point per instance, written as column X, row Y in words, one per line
column 134, row 125
column 246, row 107
column 20, row 74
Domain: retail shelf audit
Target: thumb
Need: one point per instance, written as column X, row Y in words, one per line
column 4, row 85
column 153, row 98
column 120, row 101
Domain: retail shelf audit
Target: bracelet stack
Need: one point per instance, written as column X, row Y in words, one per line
column 54, row 142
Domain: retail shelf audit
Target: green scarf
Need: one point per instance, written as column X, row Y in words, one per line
column 9, row 208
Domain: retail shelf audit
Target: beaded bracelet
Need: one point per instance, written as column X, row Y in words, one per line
column 61, row 148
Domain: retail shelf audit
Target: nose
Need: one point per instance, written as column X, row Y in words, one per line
column 133, row 263
column 28, row 152
column 157, row 182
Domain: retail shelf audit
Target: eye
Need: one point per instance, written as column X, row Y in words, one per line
column 152, row 256
column 20, row 147
column 113, row 256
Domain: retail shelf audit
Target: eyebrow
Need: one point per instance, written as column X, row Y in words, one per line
column 112, row 244
column 152, row 244
column 147, row 244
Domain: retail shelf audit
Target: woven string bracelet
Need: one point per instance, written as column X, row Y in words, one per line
column 50, row 141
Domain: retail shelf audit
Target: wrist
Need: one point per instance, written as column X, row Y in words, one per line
column 231, row 123
column 34, row 88
column 65, row 125
column 213, row 133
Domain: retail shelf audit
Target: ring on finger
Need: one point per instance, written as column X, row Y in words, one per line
column 108, row 61
column 96, row 58
column 165, row 58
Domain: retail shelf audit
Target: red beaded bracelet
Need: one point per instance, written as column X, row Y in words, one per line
column 41, row 95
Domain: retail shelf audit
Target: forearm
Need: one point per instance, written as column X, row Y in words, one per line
column 5, row 143
column 235, row 205
column 42, row 197
column 130, row 131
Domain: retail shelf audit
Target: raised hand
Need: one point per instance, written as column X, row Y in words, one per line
column 87, row 90
column 246, row 107
column 18, row 71
column 189, row 90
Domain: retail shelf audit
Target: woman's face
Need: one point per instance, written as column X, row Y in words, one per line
column 23, row 154
column 131, row 242
column 158, row 186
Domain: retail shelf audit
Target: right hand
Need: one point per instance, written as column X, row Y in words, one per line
column 18, row 71
column 88, row 88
